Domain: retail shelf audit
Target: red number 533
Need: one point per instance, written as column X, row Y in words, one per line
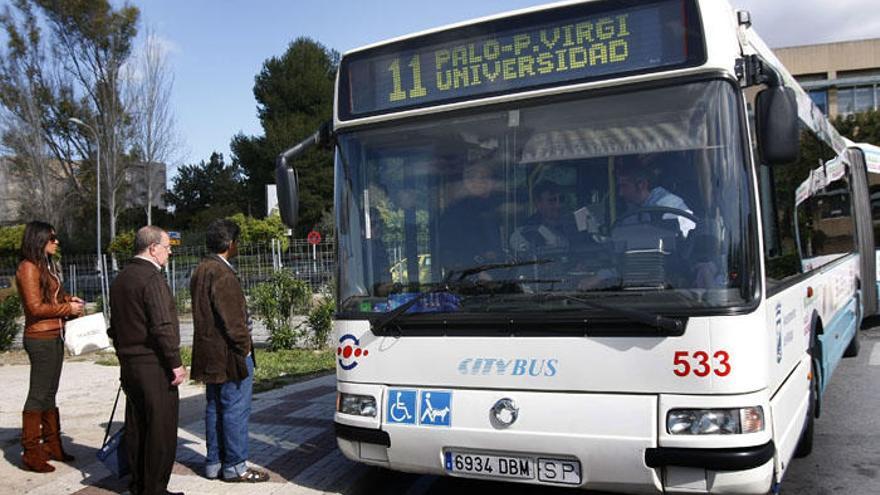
column 699, row 363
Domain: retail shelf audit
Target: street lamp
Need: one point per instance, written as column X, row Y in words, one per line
column 98, row 204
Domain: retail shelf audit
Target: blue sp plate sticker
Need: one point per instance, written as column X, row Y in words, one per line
column 401, row 406
column 435, row 407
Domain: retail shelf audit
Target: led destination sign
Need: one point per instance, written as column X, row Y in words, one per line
column 571, row 44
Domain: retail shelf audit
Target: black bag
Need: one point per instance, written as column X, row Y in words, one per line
column 113, row 452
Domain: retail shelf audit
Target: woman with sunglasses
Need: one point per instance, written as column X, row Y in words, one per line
column 46, row 306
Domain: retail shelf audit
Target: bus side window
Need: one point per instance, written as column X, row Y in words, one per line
column 782, row 224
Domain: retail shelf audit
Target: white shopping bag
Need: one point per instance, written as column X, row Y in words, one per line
column 86, row 334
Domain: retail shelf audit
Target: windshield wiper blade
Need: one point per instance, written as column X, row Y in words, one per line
column 672, row 325
column 494, row 266
column 392, row 315
column 395, row 313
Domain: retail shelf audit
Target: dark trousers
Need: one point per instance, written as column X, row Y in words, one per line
column 151, row 412
column 46, row 357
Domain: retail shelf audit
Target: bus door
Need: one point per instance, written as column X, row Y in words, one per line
column 867, row 213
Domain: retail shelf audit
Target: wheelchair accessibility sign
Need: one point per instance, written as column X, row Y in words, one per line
column 402, row 406
column 423, row 407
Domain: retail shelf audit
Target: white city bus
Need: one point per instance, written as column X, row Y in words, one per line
column 598, row 244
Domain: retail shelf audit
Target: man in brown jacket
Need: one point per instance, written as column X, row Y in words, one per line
column 146, row 335
column 223, row 356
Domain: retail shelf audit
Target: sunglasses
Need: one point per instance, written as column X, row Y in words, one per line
column 53, row 238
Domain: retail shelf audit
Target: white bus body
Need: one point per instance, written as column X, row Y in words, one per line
column 537, row 400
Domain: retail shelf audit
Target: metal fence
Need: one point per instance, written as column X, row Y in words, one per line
column 315, row 264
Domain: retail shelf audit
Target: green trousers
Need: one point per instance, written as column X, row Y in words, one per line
column 46, row 357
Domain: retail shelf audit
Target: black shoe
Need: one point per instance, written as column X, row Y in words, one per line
column 173, row 493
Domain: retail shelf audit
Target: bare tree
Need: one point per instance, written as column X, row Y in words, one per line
column 155, row 134
column 30, row 95
column 93, row 41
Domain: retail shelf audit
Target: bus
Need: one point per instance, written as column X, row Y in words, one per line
column 603, row 244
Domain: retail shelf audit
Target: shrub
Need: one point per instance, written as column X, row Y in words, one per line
column 10, row 310
column 275, row 302
column 183, row 301
column 256, row 231
column 123, row 244
column 10, row 239
column 320, row 320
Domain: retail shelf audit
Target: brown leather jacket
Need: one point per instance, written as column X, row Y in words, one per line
column 221, row 339
column 42, row 320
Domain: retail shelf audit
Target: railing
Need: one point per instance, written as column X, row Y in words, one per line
column 255, row 264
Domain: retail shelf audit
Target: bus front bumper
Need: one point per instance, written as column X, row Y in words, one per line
column 613, row 437
column 735, row 459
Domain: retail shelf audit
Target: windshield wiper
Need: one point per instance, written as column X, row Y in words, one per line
column 447, row 286
column 672, row 325
column 494, row 266
column 390, row 316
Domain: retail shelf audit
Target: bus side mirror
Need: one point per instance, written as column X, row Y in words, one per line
column 288, row 194
column 777, row 125
column 285, row 177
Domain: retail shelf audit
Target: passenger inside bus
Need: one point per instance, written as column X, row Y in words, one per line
column 472, row 222
column 549, row 228
column 378, row 252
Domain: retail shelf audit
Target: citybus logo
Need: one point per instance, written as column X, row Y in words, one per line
column 509, row 367
column 349, row 351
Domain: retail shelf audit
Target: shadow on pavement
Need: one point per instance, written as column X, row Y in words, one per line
column 84, row 454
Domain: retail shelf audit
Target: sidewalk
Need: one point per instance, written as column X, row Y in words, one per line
column 291, row 436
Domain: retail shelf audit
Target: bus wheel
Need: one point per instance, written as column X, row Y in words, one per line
column 852, row 350
column 805, row 444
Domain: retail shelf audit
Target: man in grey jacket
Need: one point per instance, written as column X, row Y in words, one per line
column 223, row 356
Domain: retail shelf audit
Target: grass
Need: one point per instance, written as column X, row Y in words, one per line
column 274, row 368
column 278, row 368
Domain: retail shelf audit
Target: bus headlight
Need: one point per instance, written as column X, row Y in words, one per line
column 357, row 405
column 715, row 421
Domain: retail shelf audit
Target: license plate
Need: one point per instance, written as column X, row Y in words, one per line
column 563, row 471
column 547, row 470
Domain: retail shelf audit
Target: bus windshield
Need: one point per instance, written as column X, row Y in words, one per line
column 642, row 196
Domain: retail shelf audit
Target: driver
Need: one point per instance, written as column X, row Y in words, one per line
column 635, row 186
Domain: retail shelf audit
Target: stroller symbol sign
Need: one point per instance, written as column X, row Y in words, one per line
column 401, row 406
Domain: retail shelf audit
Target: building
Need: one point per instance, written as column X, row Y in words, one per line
column 10, row 203
column 136, row 192
column 842, row 78
column 20, row 197
column 14, row 190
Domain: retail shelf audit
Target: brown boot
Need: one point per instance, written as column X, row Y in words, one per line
column 52, row 436
column 33, row 457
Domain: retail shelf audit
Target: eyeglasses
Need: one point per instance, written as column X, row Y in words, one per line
column 166, row 246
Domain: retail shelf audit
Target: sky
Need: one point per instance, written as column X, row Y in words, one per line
column 217, row 47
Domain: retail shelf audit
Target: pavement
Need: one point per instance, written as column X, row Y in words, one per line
column 291, row 436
